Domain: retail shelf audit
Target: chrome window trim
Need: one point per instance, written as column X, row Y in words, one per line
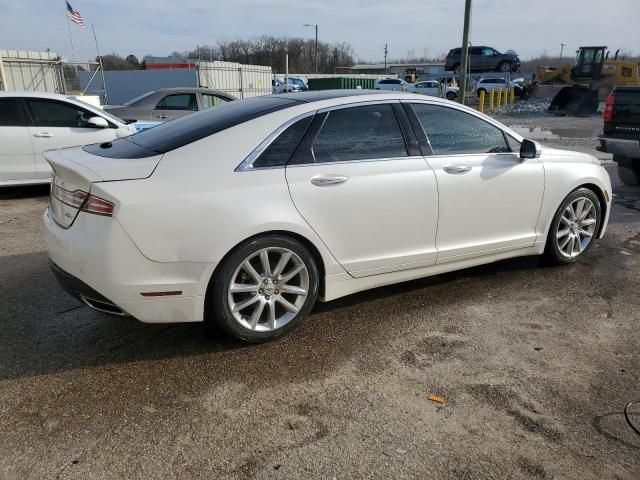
column 363, row 160
column 247, row 163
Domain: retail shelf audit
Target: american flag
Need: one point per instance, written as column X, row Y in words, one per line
column 74, row 15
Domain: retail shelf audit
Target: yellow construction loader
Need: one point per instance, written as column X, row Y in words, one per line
column 591, row 78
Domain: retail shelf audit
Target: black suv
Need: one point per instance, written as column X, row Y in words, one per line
column 484, row 59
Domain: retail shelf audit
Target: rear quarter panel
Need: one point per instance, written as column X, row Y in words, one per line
column 196, row 207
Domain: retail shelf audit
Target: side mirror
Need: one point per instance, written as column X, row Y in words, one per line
column 97, row 122
column 530, row 149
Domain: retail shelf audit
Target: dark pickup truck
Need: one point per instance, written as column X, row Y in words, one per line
column 621, row 135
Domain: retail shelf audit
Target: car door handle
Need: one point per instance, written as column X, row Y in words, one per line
column 456, row 169
column 43, row 134
column 162, row 116
column 328, row 180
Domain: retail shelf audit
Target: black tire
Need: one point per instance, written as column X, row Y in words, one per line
column 450, row 95
column 218, row 314
column 456, row 68
column 552, row 250
column 505, row 67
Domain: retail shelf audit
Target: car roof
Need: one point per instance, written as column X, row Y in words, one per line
column 50, row 95
column 322, row 95
column 190, row 90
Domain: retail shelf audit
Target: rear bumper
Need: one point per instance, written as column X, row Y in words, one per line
column 619, row 146
column 83, row 292
column 96, row 261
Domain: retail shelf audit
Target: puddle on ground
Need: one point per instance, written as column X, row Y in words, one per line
column 542, row 133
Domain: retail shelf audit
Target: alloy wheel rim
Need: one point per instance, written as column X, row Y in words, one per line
column 268, row 289
column 576, row 227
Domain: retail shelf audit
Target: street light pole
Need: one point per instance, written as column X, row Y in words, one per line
column 316, row 49
column 386, row 51
column 562, row 45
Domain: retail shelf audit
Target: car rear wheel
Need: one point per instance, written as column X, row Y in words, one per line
column 451, row 95
column 263, row 289
column 574, row 227
column 505, row 67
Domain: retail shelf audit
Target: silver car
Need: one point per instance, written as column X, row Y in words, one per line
column 168, row 103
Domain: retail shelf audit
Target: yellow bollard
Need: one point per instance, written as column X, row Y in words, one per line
column 491, row 99
column 513, row 95
column 499, row 99
column 481, row 101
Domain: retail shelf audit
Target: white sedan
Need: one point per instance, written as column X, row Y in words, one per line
column 243, row 215
column 33, row 122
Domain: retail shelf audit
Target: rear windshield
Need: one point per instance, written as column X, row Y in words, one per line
column 190, row 128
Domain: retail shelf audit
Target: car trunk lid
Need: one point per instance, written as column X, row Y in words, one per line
column 75, row 170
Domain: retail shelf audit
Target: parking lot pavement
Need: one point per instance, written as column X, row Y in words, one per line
column 535, row 365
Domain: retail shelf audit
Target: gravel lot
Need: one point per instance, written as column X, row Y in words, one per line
column 535, row 364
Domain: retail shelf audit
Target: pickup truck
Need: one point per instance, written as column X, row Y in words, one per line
column 621, row 133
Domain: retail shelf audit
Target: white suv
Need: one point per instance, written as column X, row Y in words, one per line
column 33, row 122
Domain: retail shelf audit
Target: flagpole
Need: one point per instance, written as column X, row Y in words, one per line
column 73, row 52
column 104, row 85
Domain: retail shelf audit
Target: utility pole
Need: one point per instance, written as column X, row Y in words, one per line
column 316, row 49
column 386, row 52
column 464, row 52
column 562, row 45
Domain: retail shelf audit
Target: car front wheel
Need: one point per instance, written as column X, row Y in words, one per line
column 574, row 227
column 263, row 289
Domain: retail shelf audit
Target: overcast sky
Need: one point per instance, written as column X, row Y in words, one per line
column 161, row 26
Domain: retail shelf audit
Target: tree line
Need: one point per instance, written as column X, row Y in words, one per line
column 265, row 50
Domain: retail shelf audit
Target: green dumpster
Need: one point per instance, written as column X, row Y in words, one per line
column 341, row 83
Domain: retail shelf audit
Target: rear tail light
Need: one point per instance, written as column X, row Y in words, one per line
column 73, row 199
column 82, row 200
column 608, row 109
column 98, row 206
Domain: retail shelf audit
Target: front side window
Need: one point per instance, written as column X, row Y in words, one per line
column 277, row 154
column 179, row 101
column 209, row 100
column 487, row 52
column 11, row 113
column 359, row 133
column 451, row 131
column 53, row 113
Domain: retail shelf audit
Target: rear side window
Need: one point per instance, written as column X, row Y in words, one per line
column 11, row 113
column 180, row 101
column 278, row 153
column 210, row 100
column 359, row 133
column 52, row 113
column 452, row 131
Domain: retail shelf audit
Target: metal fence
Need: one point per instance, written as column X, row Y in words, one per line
column 33, row 71
column 242, row 81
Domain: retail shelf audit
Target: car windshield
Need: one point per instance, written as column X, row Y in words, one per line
column 103, row 113
column 190, row 128
column 138, row 98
